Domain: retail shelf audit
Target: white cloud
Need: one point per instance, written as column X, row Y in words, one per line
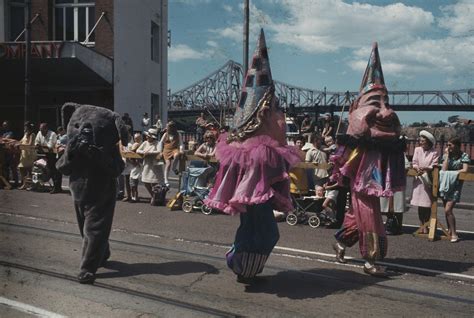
column 443, row 56
column 234, row 32
column 227, row 8
column 329, row 25
column 212, row 44
column 192, row 2
column 458, row 18
column 181, row 52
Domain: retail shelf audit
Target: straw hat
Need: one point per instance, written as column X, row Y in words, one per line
column 429, row 136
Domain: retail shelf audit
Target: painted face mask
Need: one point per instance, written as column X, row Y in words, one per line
column 370, row 114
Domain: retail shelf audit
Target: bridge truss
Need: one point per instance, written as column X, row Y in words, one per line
column 219, row 91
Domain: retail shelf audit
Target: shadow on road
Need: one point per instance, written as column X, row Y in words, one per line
column 433, row 264
column 316, row 283
column 120, row 269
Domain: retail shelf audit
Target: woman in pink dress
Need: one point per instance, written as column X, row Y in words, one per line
column 424, row 159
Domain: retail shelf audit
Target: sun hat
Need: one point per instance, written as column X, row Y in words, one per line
column 152, row 132
column 429, row 136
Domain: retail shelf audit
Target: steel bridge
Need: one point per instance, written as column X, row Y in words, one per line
column 219, row 93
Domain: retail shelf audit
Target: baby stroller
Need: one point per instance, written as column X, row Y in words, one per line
column 40, row 175
column 308, row 209
column 194, row 187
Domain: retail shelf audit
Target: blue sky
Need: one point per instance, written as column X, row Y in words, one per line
column 424, row 45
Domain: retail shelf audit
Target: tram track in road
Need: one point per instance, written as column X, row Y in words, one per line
column 129, row 292
column 283, row 251
column 187, row 254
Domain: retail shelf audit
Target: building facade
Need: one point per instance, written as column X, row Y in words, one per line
column 109, row 53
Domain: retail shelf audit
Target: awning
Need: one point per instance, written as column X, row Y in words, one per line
column 55, row 66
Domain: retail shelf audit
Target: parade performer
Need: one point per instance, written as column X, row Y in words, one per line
column 375, row 167
column 253, row 174
column 93, row 162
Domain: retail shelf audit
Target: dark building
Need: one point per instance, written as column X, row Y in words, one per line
column 85, row 51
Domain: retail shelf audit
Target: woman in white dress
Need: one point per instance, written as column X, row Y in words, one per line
column 152, row 172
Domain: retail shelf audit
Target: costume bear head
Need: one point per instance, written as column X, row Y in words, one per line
column 96, row 125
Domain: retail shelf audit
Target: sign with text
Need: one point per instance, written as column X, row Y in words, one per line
column 43, row 50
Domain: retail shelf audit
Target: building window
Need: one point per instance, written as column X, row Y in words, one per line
column 73, row 20
column 155, row 107
column 16, row 23
column 155, row 44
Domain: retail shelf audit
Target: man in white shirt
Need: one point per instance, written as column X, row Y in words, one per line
column 45, row 143
column 145, row 122
column 316, row 155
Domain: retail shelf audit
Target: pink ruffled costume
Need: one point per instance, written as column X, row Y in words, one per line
column 253, row 180
column 253, row 172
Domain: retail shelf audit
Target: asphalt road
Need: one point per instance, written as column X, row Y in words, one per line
column 170, row 263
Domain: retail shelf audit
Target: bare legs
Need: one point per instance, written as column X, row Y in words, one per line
column 134, row 191
column 424, row 216
column 149, row 187
column 25, row 174
column 450, row 219
column 171, row 164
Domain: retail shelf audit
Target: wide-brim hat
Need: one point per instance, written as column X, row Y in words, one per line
column 258, row 81
column 152, row 132
column 429, row 136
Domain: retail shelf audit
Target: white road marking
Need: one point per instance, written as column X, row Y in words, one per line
column 295, row 250
column 32, row 310
column 306, row 252
column 393, row 265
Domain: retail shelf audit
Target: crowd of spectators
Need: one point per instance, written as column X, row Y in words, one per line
column 160, row 148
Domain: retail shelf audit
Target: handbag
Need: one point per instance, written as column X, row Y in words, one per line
column 425, row 179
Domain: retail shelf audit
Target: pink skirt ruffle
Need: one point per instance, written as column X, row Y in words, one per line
column 252, row 172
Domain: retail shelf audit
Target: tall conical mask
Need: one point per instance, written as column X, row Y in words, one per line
column 257, row 81
column 373, row 76
column 370, row 114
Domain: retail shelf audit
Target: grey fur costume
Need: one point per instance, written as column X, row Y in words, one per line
column 92, row 161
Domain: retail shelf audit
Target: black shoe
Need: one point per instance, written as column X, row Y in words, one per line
column 54, row 191
column 245, row 280
column 86, row 278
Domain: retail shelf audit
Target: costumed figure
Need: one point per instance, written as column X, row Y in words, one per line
column 375, row 167
column 253, row 177
column 93, row 162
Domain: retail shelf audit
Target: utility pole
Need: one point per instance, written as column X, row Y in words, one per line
column 246, row 36
column 28, row 113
